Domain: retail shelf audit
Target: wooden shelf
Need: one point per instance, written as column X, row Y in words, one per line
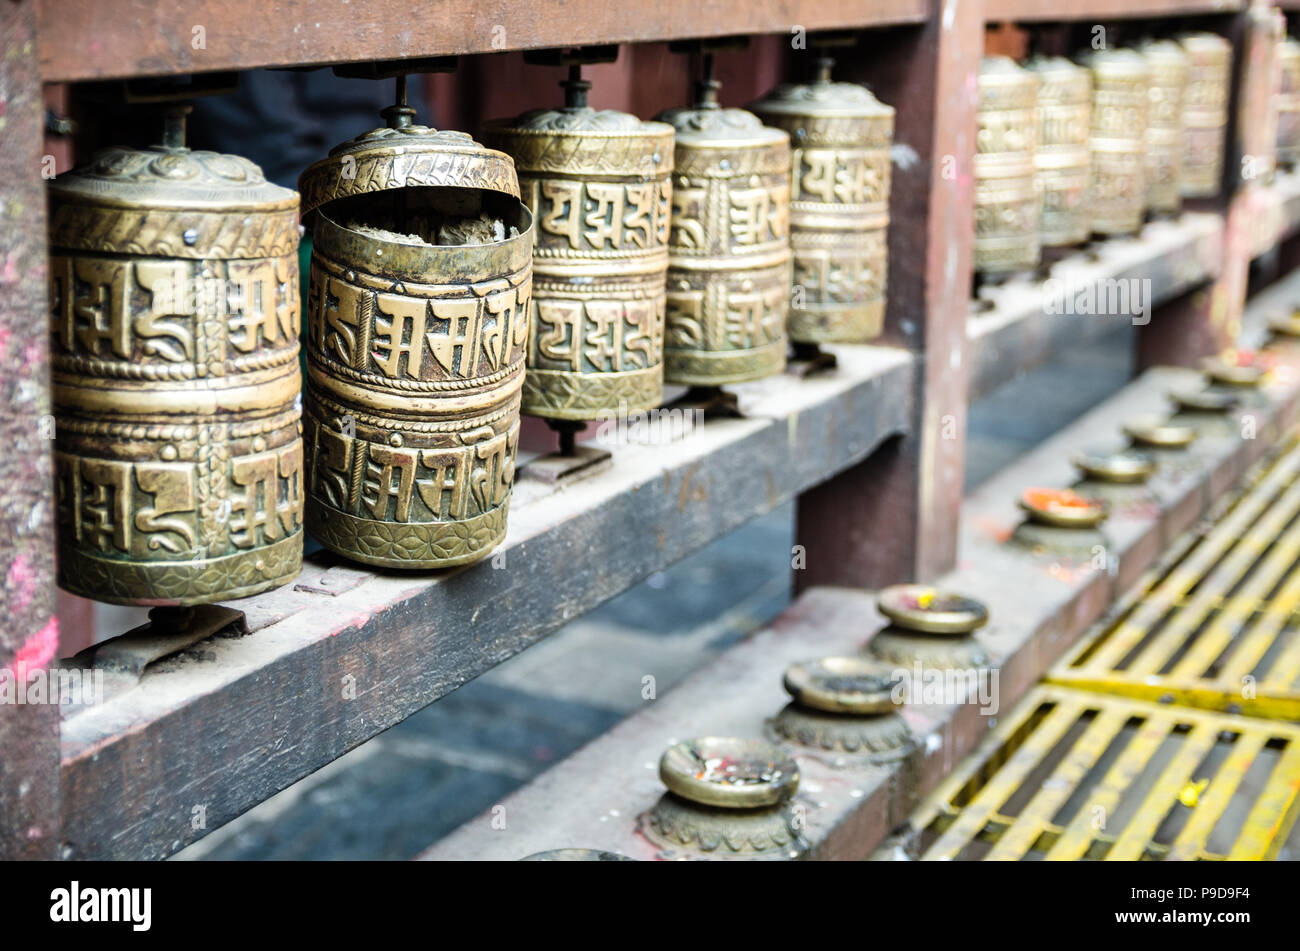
column 1037, row 611
column 1024, row 11
column 236, row 720
column 1024, row 328
column 100, row 39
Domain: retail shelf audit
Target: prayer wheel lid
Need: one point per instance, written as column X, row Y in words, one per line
column 580, row 119
column 196, row 186
column 405, row 155
column 1053, row 67
column 1163, row 49
column 1205, row 43
column 1117, row 63
column 823, row 97
column 708, row 124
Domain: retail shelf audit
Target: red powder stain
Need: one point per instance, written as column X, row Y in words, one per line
column 9, row 272
column 21, row 580
column 33, row 355
column 38, row 651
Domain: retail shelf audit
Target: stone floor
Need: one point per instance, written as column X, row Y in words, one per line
column 396, row 794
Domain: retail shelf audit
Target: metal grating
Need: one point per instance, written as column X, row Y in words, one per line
column 1218, row 630
column 1077, row 775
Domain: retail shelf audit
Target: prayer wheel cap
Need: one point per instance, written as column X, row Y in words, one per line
column 405, row 156
column 854, row 685
column 1205, row 401
column 172, row 202
column 1126, row 466
column 706, row 125
column 929, row 610
column 729, row 772
column 823, row 97
column 1160, row 433
column 1063, row 508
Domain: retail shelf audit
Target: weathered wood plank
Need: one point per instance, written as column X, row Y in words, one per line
column 29, row 634
column 96, row 39
column 1026, row 325
column 221, row 727
column 593, row 798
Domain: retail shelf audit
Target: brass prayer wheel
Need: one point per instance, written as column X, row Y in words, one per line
column 418, row 316
column 839, row 205
column 598, row 184
column 1164, row 168
column 174, row 354
column 1063, row 159
column 1006, row 194
column 1288, row 103
column 729, row 248
column 1121, row 83
column 1205, row 112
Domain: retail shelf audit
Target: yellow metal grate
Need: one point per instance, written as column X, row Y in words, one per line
column 1218, row 630
column 1077, row 775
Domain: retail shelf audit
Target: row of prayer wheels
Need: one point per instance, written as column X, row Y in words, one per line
column 1067, row 150
column 566, row 269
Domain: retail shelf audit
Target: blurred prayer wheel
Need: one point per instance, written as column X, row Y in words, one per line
column 1164, row 167
column 1288, row 103
column 729, row 249
column 598, row 185
column 418, row 316
column 839, row 205
column 1205, row 112
column 1063, row 159
column 174, row 350
column 1120, row 104
column 1006, row 194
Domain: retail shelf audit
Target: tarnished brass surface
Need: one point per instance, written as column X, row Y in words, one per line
column 1207, row 400
column 921, row 607
column 1007, row 202
column 1055, row 543
column 729, row 772
column 844, row 705
column 690, row 830
column 415, row 352
column 1235, row 369
column 576, row 855
column 852, row 685
column 1062, row 508
column 904, row 648
column 1121, row 83
column 1169, row 67
column 728, row 798
column 174, row 356
column 1125, row 467
column 598, row 184
column 1288, row 103
column 1205, row 112
column 839, row 205
column 881, row 736
column 729, row 248
column 1063, row 159
column 1159, row 433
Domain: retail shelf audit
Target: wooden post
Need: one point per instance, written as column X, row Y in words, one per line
column 894, row 516
column 1205, row 322
column 29, row 732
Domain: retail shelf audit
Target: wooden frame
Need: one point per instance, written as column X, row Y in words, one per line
column 874, row 455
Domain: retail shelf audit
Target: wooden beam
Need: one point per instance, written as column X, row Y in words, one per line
column 97, row 39
column 347, row 653
column 894, row 517
column 29, row 732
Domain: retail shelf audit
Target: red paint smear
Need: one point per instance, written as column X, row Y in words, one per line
column 38, row 651
column 22, row 581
